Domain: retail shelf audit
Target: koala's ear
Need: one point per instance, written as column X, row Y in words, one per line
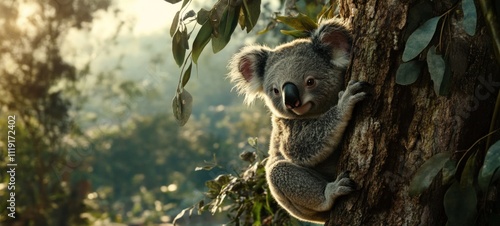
column 335, row 37
column 247, row 71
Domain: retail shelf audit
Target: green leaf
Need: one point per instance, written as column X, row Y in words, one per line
column 172, row 1
column 175, row 23
column 300, row 22
column 222, row 179
column 187, row 75
column 490, row 165
column 418, row 13
column 468, row 173
column 227, row 25
column 257, row 207
column 213, row 185
column 470, row 16
column 202, row 16
column 179, row 46
column 188, row 15
column 201, row 206
column 460, row 203
column 295, row 33
column 408, row 72
column 201, row 40
column 437, row 68
column 182, row 106
column 426, row 173
column 449, row 170
column 419, row 39
column 251, row 12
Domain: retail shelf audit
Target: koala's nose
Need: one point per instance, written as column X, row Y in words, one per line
column 291, row 95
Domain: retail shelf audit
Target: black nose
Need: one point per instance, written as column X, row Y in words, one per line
column 291, row 95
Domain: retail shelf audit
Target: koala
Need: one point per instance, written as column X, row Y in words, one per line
column 301, row 83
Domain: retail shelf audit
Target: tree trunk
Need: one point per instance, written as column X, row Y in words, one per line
column 400, row 127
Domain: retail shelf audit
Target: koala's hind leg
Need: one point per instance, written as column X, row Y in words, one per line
column 304, row 192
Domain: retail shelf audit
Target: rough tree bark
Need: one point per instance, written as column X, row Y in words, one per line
column 400, row 127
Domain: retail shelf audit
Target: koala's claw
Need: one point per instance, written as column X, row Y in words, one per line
column 355, row 87
column 344, row 184
column 353, row 94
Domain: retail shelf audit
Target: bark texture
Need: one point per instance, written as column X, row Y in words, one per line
column 394, row 132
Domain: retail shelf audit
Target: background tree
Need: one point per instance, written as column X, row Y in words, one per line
column 434, row 106
column 30, row 69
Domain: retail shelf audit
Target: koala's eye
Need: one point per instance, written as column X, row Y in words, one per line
column 276, row 91
column 310, row 82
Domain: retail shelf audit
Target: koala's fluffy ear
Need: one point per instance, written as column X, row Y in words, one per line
column 247, row 71
column 334, row 36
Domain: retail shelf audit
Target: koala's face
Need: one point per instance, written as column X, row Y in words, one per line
column 300, row 83
column 300, row 79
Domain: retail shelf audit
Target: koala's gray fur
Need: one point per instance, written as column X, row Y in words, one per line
column 301, row 84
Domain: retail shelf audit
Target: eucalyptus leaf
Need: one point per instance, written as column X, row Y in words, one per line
column 420, row 12
column 172, row 1
column 460, row 203
column 212, row 184
column 242, row 19
column 202, row 16
column 175, row 23
column 490, row 166
column 179, row 42
column 251, row 12
column 300, row 22
column 426, row 173
column 468, row 173
column 201, row 40
column 470, row 16
column 201, row 206
column 327, row 11
column 187, row 75
column 227, row 25
column 449, row 170
column 187, row 16
column 222, row 179
column 182, row 106
column 420, row 39
column 408, row 72
column 437, row 68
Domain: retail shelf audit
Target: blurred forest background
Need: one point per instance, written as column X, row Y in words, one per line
column 91, row 83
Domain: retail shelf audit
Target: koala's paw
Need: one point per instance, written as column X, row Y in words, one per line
column 353, row 94
column 343, row 185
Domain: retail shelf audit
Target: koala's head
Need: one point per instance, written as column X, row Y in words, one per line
column 300, row 79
